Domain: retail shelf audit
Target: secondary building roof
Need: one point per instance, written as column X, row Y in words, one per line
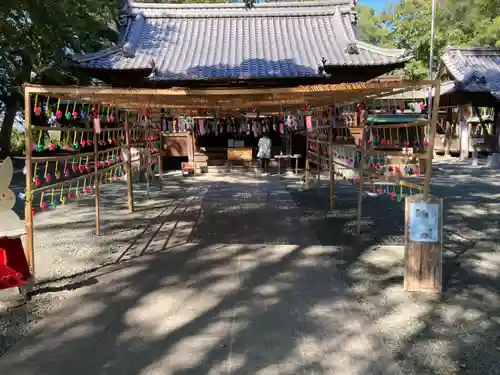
column 475, row 69
column 229, row 41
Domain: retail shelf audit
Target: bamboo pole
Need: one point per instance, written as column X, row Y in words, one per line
column 128, row 168
column 28, row 206
column 331, row 166
column 97, row 179
column 364, row 143
column 432, row 138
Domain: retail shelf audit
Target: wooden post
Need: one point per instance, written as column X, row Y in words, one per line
column 308, row 163
column 147, row 163
column 331, row 166
column 361, row 173
column 318, row 158
column 128, row 167
column 423, row 244
column 464, row 113
column 432, row 136
column 97, row 179
column 28, row 206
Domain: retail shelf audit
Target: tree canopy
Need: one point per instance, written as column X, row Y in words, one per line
column 406, row 24
column 35, row 39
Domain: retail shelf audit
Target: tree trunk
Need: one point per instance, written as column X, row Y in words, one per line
column 8, row 123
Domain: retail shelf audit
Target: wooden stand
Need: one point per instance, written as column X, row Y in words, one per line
column 423, row 244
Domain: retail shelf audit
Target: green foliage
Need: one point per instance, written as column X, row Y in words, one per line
column 36, row 38
column 408, row 25
column 18, row 144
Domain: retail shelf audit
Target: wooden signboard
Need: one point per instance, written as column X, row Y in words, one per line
column 423, row 244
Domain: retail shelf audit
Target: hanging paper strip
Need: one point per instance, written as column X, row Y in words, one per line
column 282, row 127
column 201, row 125
column 309, row 123
column 97, row 125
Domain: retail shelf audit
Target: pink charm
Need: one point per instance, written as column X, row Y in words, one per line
column 38, row 111
column 58, row 115
column 48, row 177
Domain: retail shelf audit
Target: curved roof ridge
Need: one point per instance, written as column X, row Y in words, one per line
column 224, row 5
column 384, row 51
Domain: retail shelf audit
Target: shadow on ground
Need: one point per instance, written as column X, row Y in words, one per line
column 196, row 306
column 455, row 333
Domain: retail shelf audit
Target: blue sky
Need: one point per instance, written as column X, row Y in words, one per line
column 378, row 5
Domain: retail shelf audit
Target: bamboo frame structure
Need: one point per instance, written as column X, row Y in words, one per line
column 193, row 102
column 331, row 148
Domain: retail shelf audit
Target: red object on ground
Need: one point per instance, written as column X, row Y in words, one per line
column 14, row 269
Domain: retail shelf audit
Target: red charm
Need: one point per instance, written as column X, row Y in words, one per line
column 58, row 115
column 84, row 143
column 75, row 168
column 48, row 177
column 33, row 212
column 89, row 143
column 52, row 147
column 70, row 195
column 371, row 165
column 43, row 206
column 37, row 181
column 38, row 111
column 66, row 172
column 75, row 115
column 81, row 168
column 392, row 195
column 377, row 166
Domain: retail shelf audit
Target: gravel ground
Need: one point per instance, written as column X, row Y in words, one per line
column 67, row 250
column 455, row 333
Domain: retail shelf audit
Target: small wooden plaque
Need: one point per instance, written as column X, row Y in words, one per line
column 423, row 271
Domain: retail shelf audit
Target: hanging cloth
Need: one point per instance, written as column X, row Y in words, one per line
column 201, row 126
column 309, row 123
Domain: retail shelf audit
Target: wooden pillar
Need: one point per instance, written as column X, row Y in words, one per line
column 128, row 167
column 331, row 166
column 97, row 179
column 423, row 244
column 432, row 135
column 463, row 116
column 28, row 206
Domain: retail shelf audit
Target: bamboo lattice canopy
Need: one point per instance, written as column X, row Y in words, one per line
column 230, row 99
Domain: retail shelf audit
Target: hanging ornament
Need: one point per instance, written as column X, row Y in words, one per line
column 68, row 116
column 70, row 195
column 38, row 111
column 75, row 115
column 83, row 116
column 52, row 147
column 307, row 107
column 48, row 177
column 37, row 181
column 58, row 115
column 43, row 206
column 66, row 172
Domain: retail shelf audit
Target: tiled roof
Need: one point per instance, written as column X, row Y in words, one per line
column 476, row 69
column 271, row 40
